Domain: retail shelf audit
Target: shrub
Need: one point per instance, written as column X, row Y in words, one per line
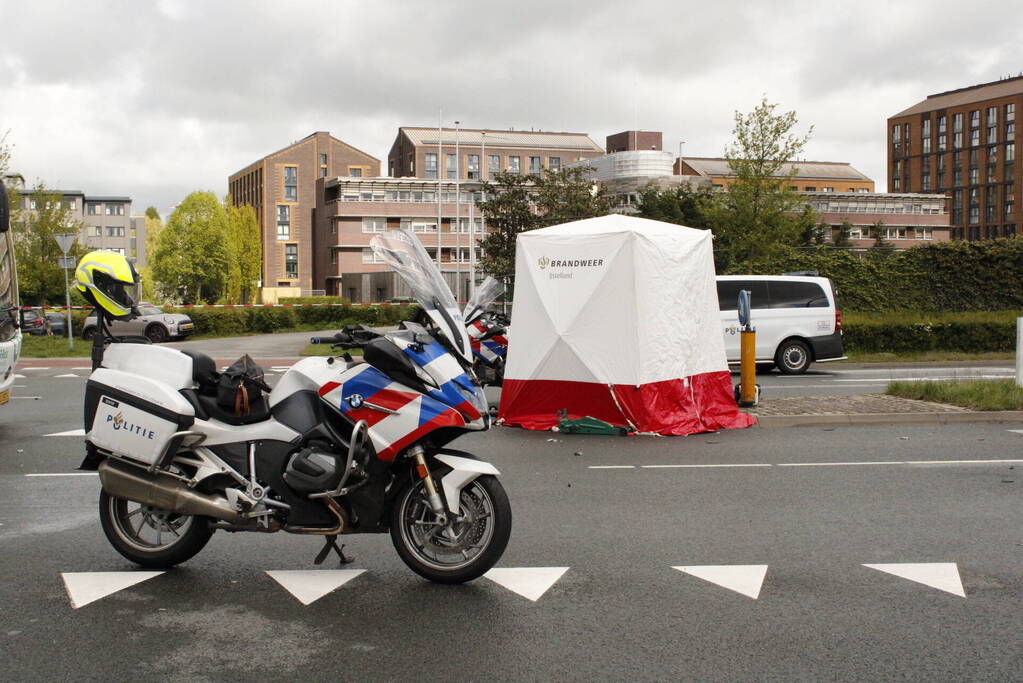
column 314, row 300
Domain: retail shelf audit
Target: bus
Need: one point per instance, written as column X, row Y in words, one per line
column 10, row 332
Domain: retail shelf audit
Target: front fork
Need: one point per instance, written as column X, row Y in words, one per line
column 432, row 497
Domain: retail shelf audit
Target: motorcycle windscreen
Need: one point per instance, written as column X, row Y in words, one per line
column 480, row 301
column 403, row 252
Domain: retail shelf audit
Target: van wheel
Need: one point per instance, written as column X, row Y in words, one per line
column 793, row 357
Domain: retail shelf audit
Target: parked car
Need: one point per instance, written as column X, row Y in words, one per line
column 33, row 321
column 797, row 320
column 58, row 323
column 152, row 323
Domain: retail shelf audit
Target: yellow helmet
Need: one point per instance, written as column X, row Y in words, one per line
column 109, row 282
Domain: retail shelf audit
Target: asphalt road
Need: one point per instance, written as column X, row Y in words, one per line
column 813, row 505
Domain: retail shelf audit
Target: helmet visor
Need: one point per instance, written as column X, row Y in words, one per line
column 124, row 294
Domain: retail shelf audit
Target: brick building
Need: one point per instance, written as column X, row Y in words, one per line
column 810, row 176
column 962, row 143
column 418, row 153
column 350, row 211
column 281, row 187
column 631, row 140
column 908, row 219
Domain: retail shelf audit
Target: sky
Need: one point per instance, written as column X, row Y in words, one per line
column 155, row 99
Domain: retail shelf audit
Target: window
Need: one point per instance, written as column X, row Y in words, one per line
column 323, row 171
column 974, row 176
column 514, row 164
column 333, row 226
column 291, row 183
column 115, row 231
column 419, row 224
column 323, row 160
column 975, row 118
column 1010, row 201
column 728, row 293
column 808, row 188
column 451, row 167
column 925, row 128
column 473, row 170
column 926, row 146
column 957, row 140
column 115, row 209
column 1010, row 153
column 430, row 165
column 896, row 133
column 856, row 234
column 942, row 142
column 354, row 171
column 924, row 233
column 374, row 224
column 796, row 295
column 957, row 177
column 1010, row 112
column 890, row 234
column 534, row 165
column 941, row 124
column 96, row 230
column 333, row 257
column 974, row 137
column 554, row 163
column 370, row 256
column 957, row 123
column 925, row 181
column 283, row 222
column 291, row 261
column 493, row 164
column 92, row 209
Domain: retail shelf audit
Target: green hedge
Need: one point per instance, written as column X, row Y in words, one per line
column 945, row 276
column 973, row 336
column 314, row 300
column 234, row 321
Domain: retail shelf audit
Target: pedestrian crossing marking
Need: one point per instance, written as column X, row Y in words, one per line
column 70, row 374
column 309, row 585
column 86, row 587
column 746, row 579
column 529, row 582
column 941, row 575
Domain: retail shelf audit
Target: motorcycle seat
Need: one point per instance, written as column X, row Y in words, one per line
column 259, row 410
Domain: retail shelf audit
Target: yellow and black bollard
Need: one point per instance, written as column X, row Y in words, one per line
column 748, row 393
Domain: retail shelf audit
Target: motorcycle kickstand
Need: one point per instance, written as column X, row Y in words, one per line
column 330, row 543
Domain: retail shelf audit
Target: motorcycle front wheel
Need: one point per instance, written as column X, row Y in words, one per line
column 150, row 536
column 463, row 549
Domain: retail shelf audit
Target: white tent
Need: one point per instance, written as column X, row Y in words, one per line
column 617, row 318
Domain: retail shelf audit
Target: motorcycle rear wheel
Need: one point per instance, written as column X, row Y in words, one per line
column 149, row 536
column 464, row 550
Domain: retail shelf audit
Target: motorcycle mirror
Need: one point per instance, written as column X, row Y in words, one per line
column 5, row 212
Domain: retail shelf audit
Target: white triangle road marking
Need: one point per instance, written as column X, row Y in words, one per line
column 70, row 374
column 529, row 582
column 1014, row 431
column 72, row 432
column 941, row 575
column 746, row 579
column 308, row 586
column 85, row 587
column 19, row 377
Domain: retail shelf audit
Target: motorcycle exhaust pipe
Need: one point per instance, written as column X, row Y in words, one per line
column 163, row 491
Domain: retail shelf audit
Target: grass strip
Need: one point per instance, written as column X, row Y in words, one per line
column 975, row 394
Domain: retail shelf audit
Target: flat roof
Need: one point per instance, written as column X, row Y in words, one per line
column 502, row 138
column 825, row 170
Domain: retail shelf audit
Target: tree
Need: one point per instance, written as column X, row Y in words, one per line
column 880, row 247
column 40, row 277
column 843, row 238
column 154, row 225
column 191, row 257
column 683, row 204
column 151, row 212
column 244, row 253
column 755, row 217
column 518, row 203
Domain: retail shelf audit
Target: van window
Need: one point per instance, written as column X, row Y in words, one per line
column 797, row 295
column 728, row 293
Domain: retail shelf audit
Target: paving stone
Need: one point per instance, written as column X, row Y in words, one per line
column 859, row 404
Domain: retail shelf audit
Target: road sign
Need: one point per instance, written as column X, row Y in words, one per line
column 66, row 261
column 65, row 240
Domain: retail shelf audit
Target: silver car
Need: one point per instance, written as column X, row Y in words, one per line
column 152, row 323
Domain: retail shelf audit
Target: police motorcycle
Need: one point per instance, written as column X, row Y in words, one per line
column 488, row 332
column 335, row 448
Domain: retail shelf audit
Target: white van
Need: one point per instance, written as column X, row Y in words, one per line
column 796, row 319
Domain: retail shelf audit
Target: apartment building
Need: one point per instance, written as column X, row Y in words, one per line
column 907, row 219
column 105, row 222
column 478, row 154
column 350, row 211
column 281, row 187
column 962, row 143
column 807, row 176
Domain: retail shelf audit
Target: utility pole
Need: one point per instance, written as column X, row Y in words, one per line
column 65, row 240
column 458, row 227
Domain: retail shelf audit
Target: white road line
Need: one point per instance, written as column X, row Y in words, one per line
column 665, row 467
column 45, row 367
column 1016, row 431
column 932, row 377
column 82, row 367
column 70, row 374
column 837, row 464
column 27, row 398
column 64, row 474
column 811, row 464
